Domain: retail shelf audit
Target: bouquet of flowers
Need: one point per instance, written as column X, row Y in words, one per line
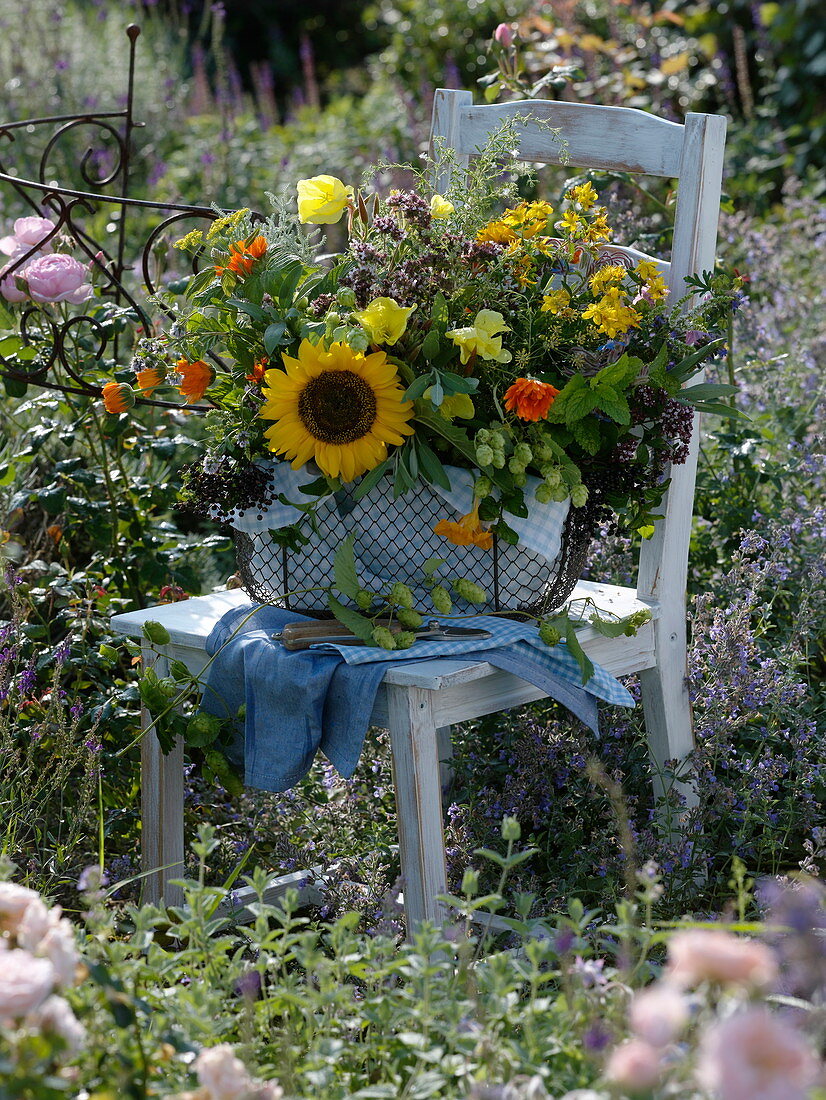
column 473, row 331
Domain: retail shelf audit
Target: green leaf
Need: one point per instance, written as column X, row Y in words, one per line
column 621, row 374
column 688, row 366
column 252, row 310
column 505, row 533
column 586, row 666
column 15, row 387
column 274, row 336
column 431, row 565
column 431, row 465
column 582, row 401
column 417, row 387
column 431, row 345
column 455, row 383
column 344, row 569
column 155, row 632
column 587, row 435
column 613, row 403
column 707, row 391
column 439, row 313
column 371, row 480
column 361, row 626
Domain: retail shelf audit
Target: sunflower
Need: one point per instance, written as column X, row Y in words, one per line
column 337, row 406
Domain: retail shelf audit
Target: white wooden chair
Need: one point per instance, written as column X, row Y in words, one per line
column 420, row 701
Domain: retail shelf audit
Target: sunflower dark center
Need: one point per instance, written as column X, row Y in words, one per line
column 337, row 407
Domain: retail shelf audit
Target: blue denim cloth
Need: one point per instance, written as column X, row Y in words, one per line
column 300, row 701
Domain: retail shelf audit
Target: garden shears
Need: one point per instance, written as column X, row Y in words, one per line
column 332, row 632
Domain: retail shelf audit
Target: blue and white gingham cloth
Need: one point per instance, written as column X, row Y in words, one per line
column 523, row 637
column 297, row 702
column 540, row 531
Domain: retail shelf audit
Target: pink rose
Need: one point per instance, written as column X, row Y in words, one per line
column 28, row 234
column 56, row 1016
column 755, row 1056
column 503, row 35
column 57, row 278
column 25, row 983
column 634, row 1066
column 8, row 286
column 14, row 901
column 658, row 1014
column 712, row 955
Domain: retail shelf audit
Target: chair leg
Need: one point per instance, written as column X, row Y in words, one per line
column 416, row 778
column 667, row 709
column 444, row 746
column 162, row 807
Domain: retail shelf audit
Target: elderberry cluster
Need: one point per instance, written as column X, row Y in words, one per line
column 223, row 488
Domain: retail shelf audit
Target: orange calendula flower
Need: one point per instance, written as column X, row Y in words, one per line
column 149, row 380
column 196, row 379
column 468, row 531
column 117, row 397
column 242, row 257
column 530, row 399
column 259, row 369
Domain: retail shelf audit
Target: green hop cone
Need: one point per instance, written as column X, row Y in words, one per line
column 482, row 436
column 579, row 495
column 155, row 632
column 515, row 466
column 483, row 487
column 358, row 340
column 401, row 595
column 441, row 599
column 410, row 620
column 383, row 638
column 549, row 634
column 346, row 297
column 469, row 590
column 405, row 639
column 364, row 599
column 523, row 453
column 484, row 455
column 520, row 480
column 553, row 476
column 498, row 460
column 543, row 493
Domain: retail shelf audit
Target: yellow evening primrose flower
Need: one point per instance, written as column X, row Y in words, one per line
column 440, row 208
column 611, row 315
column 556, row 301
column 483, row 337
column 322, row 199
column 584, row 194
column 384, row 320
column 610, row 275
column 570, row 223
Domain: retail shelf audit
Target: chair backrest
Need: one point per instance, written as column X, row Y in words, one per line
column 626, row 140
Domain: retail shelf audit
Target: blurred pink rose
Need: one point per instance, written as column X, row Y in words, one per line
column 28, row 233
column 634, row 1066
column 223, row 1076
column 711, row 955
column 503, row 35
column 56, row 1016
column 658, row 1014
column 25, row 983
column 756, row 1056
column 14, row 901
column 58, row 278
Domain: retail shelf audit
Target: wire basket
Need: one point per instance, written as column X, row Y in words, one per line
column 392, row 540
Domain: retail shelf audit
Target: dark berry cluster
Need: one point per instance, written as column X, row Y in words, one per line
column 224, row 489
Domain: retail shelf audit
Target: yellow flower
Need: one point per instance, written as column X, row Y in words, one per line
column 468, row 531
column 571, row 223
column 454, row 404
column 556, row 301
column 606, row 276
column 440, row 208
column 496, row 232
column 322, row 199
column 656, row 287
column 611, row 315
column 336, row 406
column 483, row 337
column 384, row 320
column 646, row 269
column 584, row 194
column 599, row 229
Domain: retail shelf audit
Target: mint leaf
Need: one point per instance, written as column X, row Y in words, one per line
column 613, row 403
column 344, row 569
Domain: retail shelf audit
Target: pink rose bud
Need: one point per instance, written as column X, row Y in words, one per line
column 503, row 35
column 58, row 278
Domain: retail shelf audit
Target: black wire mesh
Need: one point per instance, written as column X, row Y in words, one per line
column 392, row 542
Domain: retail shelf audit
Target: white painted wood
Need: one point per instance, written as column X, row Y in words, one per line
column 307, row 885
column 444, row 133
column 619, row 138
column 188, row 621
column 162, row 805
column 415, row 753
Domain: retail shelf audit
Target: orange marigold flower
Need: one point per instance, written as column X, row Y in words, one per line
column 117, row 397
column 530, row 399
column 259, row 369
column 468, row 531
column 149, row 380
column 196, row 379
column 242, row 256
